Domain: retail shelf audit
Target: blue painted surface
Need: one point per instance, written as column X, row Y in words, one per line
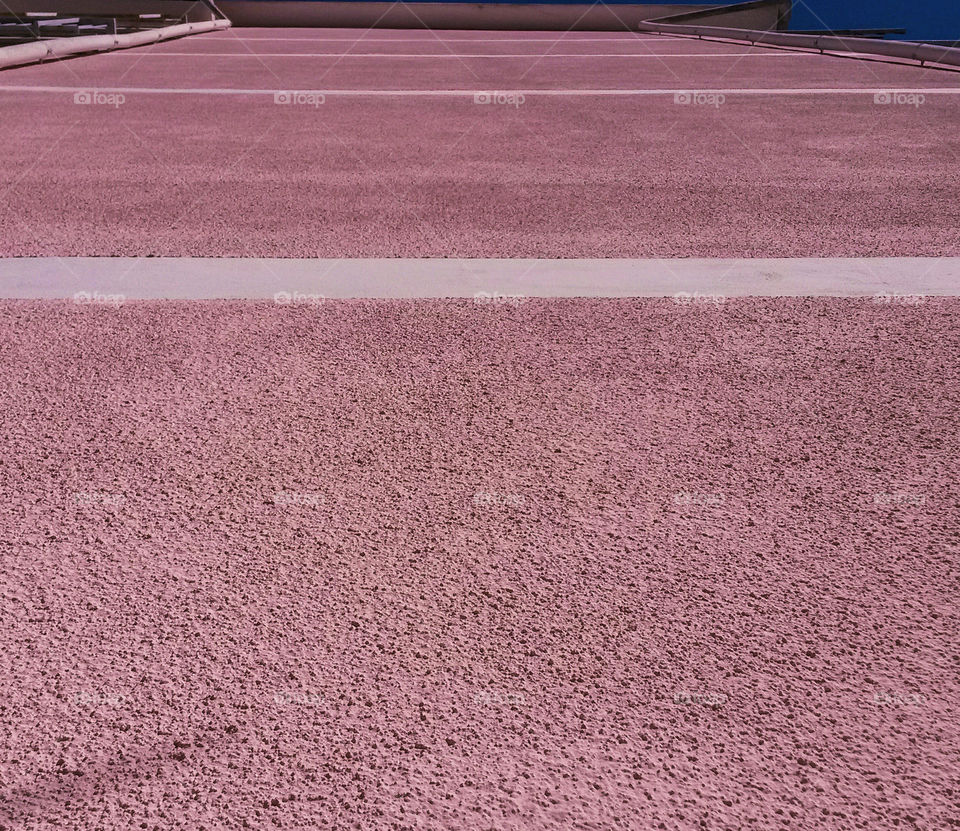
column 923, row 19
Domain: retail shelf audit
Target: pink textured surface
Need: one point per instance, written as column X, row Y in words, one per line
column 219, row 175
column 569, row 564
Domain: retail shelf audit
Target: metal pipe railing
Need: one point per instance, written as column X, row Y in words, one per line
column 43, row 50
column 922, row 52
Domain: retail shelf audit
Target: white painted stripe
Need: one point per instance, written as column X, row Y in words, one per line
column 565, row 37
column 196, row 278
column 459, row 93
column 153, row 53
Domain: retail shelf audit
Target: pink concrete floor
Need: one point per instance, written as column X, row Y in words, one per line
column 574, row 176
column 428, row 564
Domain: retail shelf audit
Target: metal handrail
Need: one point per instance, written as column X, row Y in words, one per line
column 42, row 50
column 922, row 52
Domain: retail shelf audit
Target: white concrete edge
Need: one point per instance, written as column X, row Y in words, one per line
column 211, row 278
column 42, row 50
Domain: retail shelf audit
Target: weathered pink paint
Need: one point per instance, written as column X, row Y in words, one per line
column 215, row 175
column 433, row 564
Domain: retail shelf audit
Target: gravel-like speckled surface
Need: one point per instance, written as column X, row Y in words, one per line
column 554, row 565
column 236, row 175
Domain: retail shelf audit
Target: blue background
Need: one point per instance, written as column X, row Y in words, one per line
column 923, row 19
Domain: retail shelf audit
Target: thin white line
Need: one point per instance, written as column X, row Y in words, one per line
column 758, row 54
column 547, row 41
column 456, row 93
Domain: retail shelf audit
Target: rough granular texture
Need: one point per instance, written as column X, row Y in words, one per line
column 235, row 175
column 539, row 565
